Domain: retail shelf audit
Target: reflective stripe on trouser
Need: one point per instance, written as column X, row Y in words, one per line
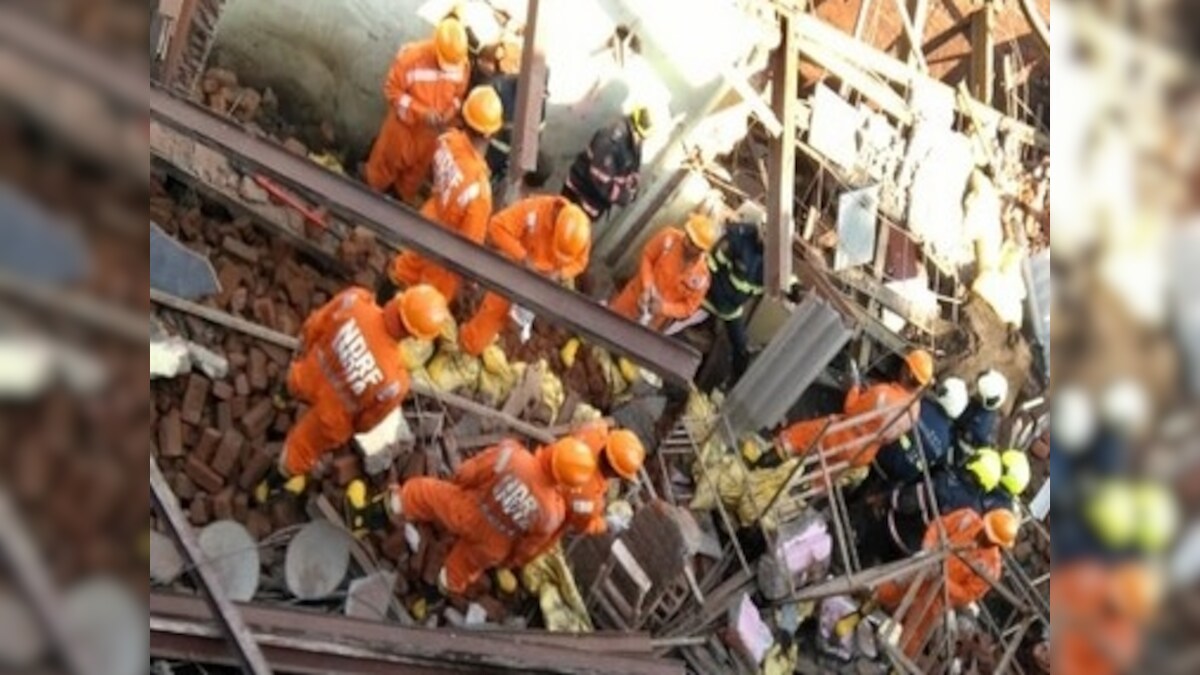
column 401, row 157
column 487, row 323
column 410, row 269
column 324, row 427
column 478, row 548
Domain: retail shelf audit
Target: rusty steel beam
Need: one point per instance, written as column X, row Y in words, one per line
column 781, row 223
column 399, row 226
column 246, row 651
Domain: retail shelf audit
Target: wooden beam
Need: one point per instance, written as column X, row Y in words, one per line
column 531, row 91
column 913, row 40
column 781, row 222
column 983, row 53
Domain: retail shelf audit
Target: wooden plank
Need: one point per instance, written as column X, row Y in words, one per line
column 983, row 53
column 781, row 222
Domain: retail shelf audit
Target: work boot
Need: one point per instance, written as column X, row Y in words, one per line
column 365, row 515
column 275, row 484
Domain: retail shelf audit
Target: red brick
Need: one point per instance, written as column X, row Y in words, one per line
column 258, row 524
column 278, row 355
column 198, row 512
column 345, row 469
column 228, row 452
column 194, row 399
column 207, row 446
column 435, row 557
column 230, row 277
column 222, row 505
column 259, row 418
column 240, row 249
column 496, row 610
column 241, row 507
column 264, row 312
column 241, row 385
column 237, row 301
column 238, row 407
column 258, row 370
column 183, row 487
column 222, row 390
column 170, row 435
column 224, row 416
column 283, row 423
column 205, row 478
column 237, row 360
column 255, row 468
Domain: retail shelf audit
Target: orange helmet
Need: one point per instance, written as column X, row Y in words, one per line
column 483, row 110
column 450, row 42
column 1137, row 589
column 572, row 232
column 701, row 230
column 625, row 453
column 572, row 462
column 920, row 364
column 1001, row 527
column 421, row 311
column 594, row 433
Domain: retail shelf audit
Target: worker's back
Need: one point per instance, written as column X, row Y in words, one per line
column 353, row 353
column 462, row 193
column 517, row 496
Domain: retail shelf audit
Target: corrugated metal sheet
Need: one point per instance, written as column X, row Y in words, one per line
column 793, row 360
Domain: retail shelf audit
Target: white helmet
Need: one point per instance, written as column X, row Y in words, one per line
column 993, row 389
column 750, row 213
column 1125, row 406
column 1073, row 418
column 952, row 396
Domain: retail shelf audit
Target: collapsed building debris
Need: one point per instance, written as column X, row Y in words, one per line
column 907, row 214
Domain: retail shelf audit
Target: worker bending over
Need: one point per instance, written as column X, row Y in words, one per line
column 969, row 572
column 548, row 235
column 673, row 277
column 462, row 194
column 503, row 505
column 931, row 441
column 608, row 172
column 619, row 455
column 424, row 90
column 880, row 409
column 348, row 370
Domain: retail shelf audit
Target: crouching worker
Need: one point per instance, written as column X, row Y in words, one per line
column 348, row 370
column 619, row 455
column 503, row 506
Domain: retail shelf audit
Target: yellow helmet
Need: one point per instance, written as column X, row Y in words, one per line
column 987, row 468
column 702, row 231
column 483, row 110
column 1017, row 472
column 450, row 42
column 1157, row 517
column 642, row 121
column 1111, row 511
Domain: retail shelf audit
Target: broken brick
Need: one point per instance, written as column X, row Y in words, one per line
column 241, row 385
column 264, row 312
column 283, row 422
column 495, row 609
column 435, row 558
column 198, row 512
column 222, row 390
column 237, row 406
column 240, row 249
column 241, row 507
column 258, row 370
column 345, row 469
column 183, row 487
column 228, row 452
column 258, row 524
column 170, row 435
column 194, row 398
column 208, row 480
column 222, row 505
column 207, row 446
column 394, row 547
column 225, row 416
column 285, row 513
column 255, row 468
column 238, row 300
column 259, row 418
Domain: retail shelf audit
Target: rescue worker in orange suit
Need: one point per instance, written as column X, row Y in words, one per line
column 619, row 454
column 349, row 372
column 504, row 505
column 974, row 538
column 462, row 194
column 849, row 443
column 546, row 234
column 673, row 277
column 424, row 90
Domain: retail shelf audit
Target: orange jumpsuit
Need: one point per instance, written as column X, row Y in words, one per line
column 416, row 85
column 585, row 505
column 964, row 531
column 859, row 401
column 680, row 287
column 502, row 505
column 524, row 233
column 349, row 372
column 461, row 202
column 1092, row 636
